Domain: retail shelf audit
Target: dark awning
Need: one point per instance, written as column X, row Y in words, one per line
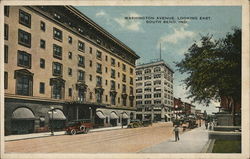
column 23, row 113
column 57, row 115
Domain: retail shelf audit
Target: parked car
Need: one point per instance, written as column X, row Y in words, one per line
column 135, row 123
column 78, row 126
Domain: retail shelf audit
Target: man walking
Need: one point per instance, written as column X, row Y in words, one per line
column 176, row 132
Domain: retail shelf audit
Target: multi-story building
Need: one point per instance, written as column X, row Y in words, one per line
column 57, row 58
column 154, row 91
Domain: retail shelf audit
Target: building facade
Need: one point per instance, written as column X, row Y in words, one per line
column 154, row 91
column 57, row 59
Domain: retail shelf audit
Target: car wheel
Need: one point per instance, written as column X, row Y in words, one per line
column 73, row 132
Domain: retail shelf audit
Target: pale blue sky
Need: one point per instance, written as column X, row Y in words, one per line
column 175, row 39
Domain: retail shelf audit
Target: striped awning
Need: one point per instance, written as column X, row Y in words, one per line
column 167, row 116
column 113, row 115
column 23, row 113
column 57, row 115
column 100, row 115
column 125, row 116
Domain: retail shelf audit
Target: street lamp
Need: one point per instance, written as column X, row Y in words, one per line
column 90, row 111
column 52, row 111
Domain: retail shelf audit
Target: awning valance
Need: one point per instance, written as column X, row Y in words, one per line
column 125, row 116
column 113, row 115
column 23, row 113
column 100, row 115
column 57, row 115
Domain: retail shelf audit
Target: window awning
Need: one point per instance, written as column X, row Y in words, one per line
column 167, row 116
column 113, row 115
column 125, row 116
column 23, row 113
column 57, row 115
column 100, row 115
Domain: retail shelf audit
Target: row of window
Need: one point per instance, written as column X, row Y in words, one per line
column 148, row 102
column 149, row 83
column 156, row 95
column 155, row 69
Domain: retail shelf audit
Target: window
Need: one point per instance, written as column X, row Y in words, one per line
column 138, row 102
column 119, row 100
column 112, row 62
column 24, row 59
column 24, row 85
column 139, row 79
column 42, row 88
column 70, row 55
column 6, row 10
column 118, row 86
column 42, row 26
column 158, row 82
column 6, row 31
column 112, row 85
column 124, row 88
column 5, row 80
column 90, row 77
column 123, row 77
column 138, row 72
column 90, row 50
column 81, row 61
column 57, row 34
column 123, row 67
column 57, row 69
column 147, row 96
column 131, row 70
column 112, row 73
column 106, row 58
column 42, row 63
column 138, row 84
column 98, row 81
column 42, row 44
column 24, row 18
column 106, row 82
column 57, row 90
column 24, row 38
column 147, row 77
column 6, row 53
column 157, row 95
column 147, row 71
column 157, row 76
column 157, row 101
column 70, row 92
column 98, row 68
column 148, row 101
column 118, row 64
column 106, row 98
column 57, row 51
column 70, row 40
column 81, row 46
column 131, row 80
column 70, row 71
column 80, row 75
column 106, row 69
column 139, row 90
column 112, row 99
column 98, row 54
column 139, row 97
column 147, row 89
column 131, row 90
column 90, row 63
column 157, row 69
column 118, row 74
column 147, row 83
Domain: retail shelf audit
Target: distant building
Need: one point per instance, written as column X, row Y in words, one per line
column 154, row 91
column 56, row 57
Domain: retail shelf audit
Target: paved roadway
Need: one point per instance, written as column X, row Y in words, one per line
column 122, row 140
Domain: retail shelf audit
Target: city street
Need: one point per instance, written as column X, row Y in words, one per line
column 121, row 140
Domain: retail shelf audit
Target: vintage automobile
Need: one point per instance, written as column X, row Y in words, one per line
column 78, row 126
column 135, row 123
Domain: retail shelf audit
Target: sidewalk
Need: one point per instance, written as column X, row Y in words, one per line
column 190, row 142
column 47, row 134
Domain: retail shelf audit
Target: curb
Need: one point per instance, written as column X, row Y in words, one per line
column 208, row 148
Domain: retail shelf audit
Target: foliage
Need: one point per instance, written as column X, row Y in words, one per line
column 213, row 68
column 227, row 146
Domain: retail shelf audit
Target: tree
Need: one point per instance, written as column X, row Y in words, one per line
column 214, row 69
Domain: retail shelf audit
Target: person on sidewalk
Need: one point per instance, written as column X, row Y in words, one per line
column 206, row 124
column 176, row 132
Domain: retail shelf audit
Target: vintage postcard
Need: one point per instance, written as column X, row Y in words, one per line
column 125, row 79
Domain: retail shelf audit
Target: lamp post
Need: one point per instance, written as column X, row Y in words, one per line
column 52, row 109
column 176, row 106
column 122, row 119
column 90, row 116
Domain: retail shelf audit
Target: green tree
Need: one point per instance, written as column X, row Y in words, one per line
column 214, row 69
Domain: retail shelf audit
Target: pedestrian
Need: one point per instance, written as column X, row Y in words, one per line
column 206, row 124
column 176, row 132
column 210, row 125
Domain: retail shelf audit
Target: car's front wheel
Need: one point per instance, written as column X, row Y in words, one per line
column 73, row 132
